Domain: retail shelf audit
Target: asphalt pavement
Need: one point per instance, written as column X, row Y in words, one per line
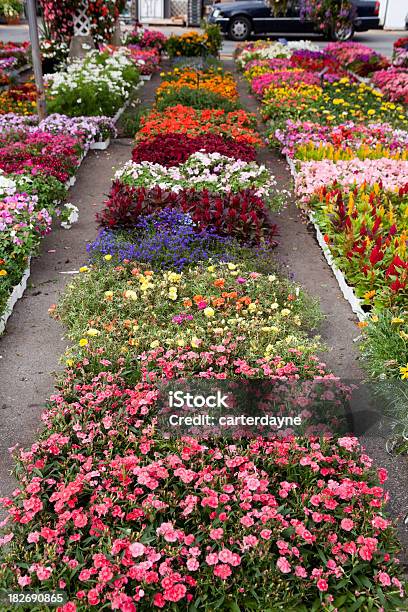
column 380, row 40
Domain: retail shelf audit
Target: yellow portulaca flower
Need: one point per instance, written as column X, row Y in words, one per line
column 209, row 312
column 93, row 332
column 130, row 295
column 83, row 342
column 84, row 269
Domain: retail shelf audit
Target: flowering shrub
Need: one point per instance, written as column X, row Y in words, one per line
column 213, row 172
column 58, row 17
column 328, row 16
column 393, row 83
column 146, row 60
column 174, row 149
column 242, row 215
column 193, row 44
column 185, row 120
column 97, row 85
column 166, row 240
column 358, row 57
column 146, row 39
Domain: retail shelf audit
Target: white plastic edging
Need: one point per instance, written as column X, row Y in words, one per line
column 347, row 291
column 145, row 77
column 16, row 294
column 101, row 145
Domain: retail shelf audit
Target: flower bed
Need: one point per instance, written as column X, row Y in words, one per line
column 186, row 120
column 212, row 172
column 350, row 175
column 117, row 514
column 174, row 149
column 99, row 84
column 393, row 83
column 242, row 215
column 146, row 39
column 194, row 44
column 357, row 57
column 214, row 81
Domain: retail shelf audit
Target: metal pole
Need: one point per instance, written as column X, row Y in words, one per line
column 37, row 65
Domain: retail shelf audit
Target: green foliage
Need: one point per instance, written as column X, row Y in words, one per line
column 197, row 98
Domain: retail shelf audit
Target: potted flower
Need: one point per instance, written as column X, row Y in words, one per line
column 11, row 10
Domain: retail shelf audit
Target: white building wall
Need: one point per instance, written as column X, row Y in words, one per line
column 392, row 13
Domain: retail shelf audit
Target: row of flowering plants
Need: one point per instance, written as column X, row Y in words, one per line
column 348, row 146
column 181, row 286
column 13, row 57
column 99, row 84
column 37, row 162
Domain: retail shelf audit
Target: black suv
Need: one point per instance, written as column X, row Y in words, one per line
column 238, row 20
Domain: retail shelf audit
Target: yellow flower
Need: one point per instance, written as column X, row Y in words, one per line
column 93, row 332
column 371, row 111
column 173, row 293
column 369, row 294
column 362, row 324
column 231, row 266
column 209, row 312
column 154, row 344
column 396, row 320
column 374, row 319
column 174, row 278
column 252, row 307
column 108, row 257
column 404, row 372
column 69, row 362
column 285, row 312
column 84, row 269
column 3, row 272
column 130, row 295
column 108, row 294
column 83, row 342
column 180, row 342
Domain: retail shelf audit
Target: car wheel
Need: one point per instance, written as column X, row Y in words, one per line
column 240, row 28
column 343, row 33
